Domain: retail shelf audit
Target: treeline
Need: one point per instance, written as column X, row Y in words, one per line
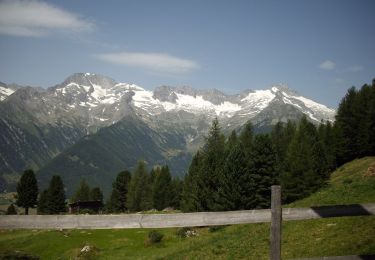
column 236, row 172
column 139, row 191
column 144, row 190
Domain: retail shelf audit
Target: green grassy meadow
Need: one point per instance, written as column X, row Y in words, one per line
column 308, row 238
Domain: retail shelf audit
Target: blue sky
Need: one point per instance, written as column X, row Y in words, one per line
column 319, row 48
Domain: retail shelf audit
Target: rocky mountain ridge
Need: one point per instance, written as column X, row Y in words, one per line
column 37, row 125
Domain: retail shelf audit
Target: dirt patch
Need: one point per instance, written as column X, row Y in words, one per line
column 370, row 171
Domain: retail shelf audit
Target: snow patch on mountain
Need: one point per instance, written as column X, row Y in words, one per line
column 5, row 92
column 144, row 99
column 313, row 105
column 97, row 97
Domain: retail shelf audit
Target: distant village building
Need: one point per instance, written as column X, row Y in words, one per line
column 95, row 206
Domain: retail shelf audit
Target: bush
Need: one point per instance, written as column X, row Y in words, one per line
column 182, row 232
column 11, row 210
column 154, row 237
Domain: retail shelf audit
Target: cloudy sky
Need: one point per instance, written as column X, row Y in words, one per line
column 319, row 48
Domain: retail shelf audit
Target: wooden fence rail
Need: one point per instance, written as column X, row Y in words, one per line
column 177, row 219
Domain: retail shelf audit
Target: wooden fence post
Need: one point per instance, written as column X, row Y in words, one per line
column 276, row 215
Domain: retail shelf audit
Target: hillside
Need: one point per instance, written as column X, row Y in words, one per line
column 100, row 157
column 349, row 184
column 308, row 238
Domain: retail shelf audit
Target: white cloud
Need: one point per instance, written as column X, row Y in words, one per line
column 355, row 68
column 327, row 65
column 34, row 18
column 156, row 62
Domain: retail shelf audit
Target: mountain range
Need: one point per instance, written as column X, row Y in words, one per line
column 91, row 126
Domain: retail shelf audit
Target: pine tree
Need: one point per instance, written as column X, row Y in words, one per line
column 306, row 163
column 162, row 188
column 176, row 195
column 262, row 170
column 96, row 194
column 43, row 202
column 281, row 136
column 82, row 193
column 232, row 140
column 355, row 124
column 236, row 189
column 362, row 112
column 213, row 159
column 120, row 188
column 371, row 121
column 140, row 195
column 27, row 191
column 346, row 127
column 56, row 196
column 328, row 139
column 114, row 205
column 191, row 193
column 246, row 138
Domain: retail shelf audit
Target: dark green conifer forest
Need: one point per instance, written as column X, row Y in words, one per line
column 237, row 172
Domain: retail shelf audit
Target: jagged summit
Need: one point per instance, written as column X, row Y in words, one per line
column 102, row 99
column 90, row 79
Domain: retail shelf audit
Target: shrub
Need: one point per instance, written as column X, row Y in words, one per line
column 154, row 237
column 11, row 210
column 181, row 232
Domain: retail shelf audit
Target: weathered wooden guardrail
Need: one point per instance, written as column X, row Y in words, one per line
column 177, row 219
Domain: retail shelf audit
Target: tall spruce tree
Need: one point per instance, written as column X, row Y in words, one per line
column 246, row 138
column 246, row 135
column 281, row 136
column 176, row 197
column 236, row 188
column 27, row 191
column 232, row 141
column 262, row 170
column 213, row 159
column 119, row 195
column 371, row 119
column 306, row 163
column 82, row 193
column 140, row 195
column 43, row 202
column 191, row 194
column 328, row 139
column 96, row 194
column 346, row 127
column 162, row 188
column 56, row 196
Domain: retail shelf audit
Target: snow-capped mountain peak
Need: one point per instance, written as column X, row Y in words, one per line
column 99, row 100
